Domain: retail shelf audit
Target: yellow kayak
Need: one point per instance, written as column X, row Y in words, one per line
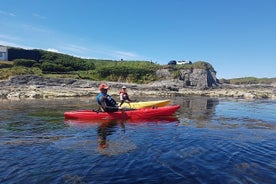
column 139, row 105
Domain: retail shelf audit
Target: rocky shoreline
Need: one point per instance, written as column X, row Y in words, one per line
column 34, row 87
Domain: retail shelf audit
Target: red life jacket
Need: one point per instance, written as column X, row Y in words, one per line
column 124, row 95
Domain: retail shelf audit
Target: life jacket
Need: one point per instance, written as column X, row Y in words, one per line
column 108, row 100
column 124, row 95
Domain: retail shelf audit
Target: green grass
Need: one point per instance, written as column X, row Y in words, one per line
column 10, row 70
column 249, row 80
column 66, row 66
column 5, row 73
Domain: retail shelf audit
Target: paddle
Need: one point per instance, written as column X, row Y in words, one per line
column 122, row 102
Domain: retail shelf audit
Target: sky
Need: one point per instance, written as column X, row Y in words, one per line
column 237, row 37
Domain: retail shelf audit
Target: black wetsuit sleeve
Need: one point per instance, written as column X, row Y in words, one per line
column 107, row 108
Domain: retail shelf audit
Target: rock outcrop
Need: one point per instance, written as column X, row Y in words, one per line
column 182, row 78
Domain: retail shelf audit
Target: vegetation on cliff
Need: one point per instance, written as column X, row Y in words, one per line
column 40, row 62
column 248, row 80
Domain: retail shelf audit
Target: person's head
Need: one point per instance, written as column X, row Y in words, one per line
column 124, row 87
column 103, row 88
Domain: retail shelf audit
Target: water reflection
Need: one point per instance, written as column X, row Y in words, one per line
column 200, row 108
column 221, row 113
column 114, row 136
column 106, row 129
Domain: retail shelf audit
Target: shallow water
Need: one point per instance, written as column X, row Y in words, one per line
column 212, row 140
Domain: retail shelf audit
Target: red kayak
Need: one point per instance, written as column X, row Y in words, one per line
column 129, row 114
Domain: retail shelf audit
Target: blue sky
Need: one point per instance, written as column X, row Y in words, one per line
column 238, row 37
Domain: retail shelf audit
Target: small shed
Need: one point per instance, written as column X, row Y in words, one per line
column 3, row 53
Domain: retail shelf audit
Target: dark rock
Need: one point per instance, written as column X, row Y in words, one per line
column 197, row 78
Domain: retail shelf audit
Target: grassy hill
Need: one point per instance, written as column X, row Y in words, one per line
column 45, row 63
column 248, row 80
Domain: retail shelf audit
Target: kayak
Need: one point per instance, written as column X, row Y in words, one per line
column 139, row 105
column 146, row 113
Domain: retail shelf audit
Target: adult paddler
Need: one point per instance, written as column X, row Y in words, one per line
column 105, row 101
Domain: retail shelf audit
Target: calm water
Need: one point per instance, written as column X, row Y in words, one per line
column 210, row 141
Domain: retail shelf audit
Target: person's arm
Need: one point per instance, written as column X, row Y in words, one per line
column 107, row 108
column 121, row 96
column 122, row 99
column 127, row 98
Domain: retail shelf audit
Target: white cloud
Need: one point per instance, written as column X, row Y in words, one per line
column 28, row 27
column 52, row 50
column 125, row 55
column 13, row 41
column 10, row 38
column 7, row 13
column 13, row 44
column 71, row 49
column 74, row 48
column 104, row 53
column 38, row 16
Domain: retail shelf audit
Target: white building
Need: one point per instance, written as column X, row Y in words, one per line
column 3, row 53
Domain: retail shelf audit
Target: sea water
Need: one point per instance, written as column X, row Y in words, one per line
column 209, row 140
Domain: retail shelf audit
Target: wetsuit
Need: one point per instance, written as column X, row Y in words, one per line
column 107, row 103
